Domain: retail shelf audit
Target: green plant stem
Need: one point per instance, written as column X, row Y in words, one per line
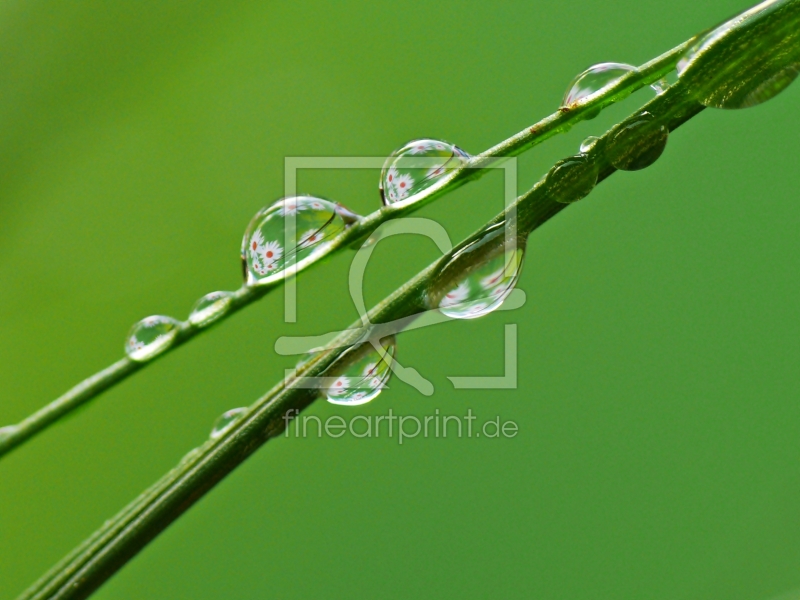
column 478, row 166
column 94, row 561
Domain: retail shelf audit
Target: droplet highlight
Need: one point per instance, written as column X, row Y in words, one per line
column 150, row 337
column 225, row 421
column 210, row 307
column 596, row 79
column 478, row 278
column 417, row 166
column 311, row 222
column 638, row 143
column 572, row 178
column 747, row 60
column 589, row 143
column 361, row 373
column 660, row 86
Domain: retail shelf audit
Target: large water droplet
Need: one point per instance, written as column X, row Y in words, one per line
column 316, row 223
column 226, row 420
column 572, row 178
column 638, row 143
column 596, row 78
column 589, row 143
column 479, row 277
column 210, row 307
column 417, row 166
column 151, row 336
column 361, row 373
column 747, row 60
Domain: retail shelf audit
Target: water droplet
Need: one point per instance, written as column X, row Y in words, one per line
column 479, row 277
column 594, row 79
column 316, row 223
column 151, row 336
column 572, row 178
column 660, row 86
column 7, row 431
column 417, row 166
column 226, row 420
column 747, row 60
column 597, row 78
column 589, row 143
column 637, row 143
column 210, row 307
column 361, row 373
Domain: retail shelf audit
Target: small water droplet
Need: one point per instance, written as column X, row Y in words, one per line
column 361, row 373
column 210, row 307
column 7, row 431
column 589, row 143
column 746, row 60
column 572, row 178
column 417, row 166
column 151, row 336
column 226, row 420
column 479, row 277
column 638, row 143
column 317, row 222
column 660, row 86
column 595, row 79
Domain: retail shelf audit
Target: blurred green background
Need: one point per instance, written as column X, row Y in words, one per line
column 658, row 453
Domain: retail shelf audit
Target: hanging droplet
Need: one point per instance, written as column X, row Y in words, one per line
column 589, row 143
column 210, row 307
column 361, row 373
column 151, row 336
column 660, row 86
column 597, row 78
column 572, row 178
column 417, row 166
column 478, row 278
column 315, row 224
column 226, row 420
column 638, row 143
column 747, row 60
